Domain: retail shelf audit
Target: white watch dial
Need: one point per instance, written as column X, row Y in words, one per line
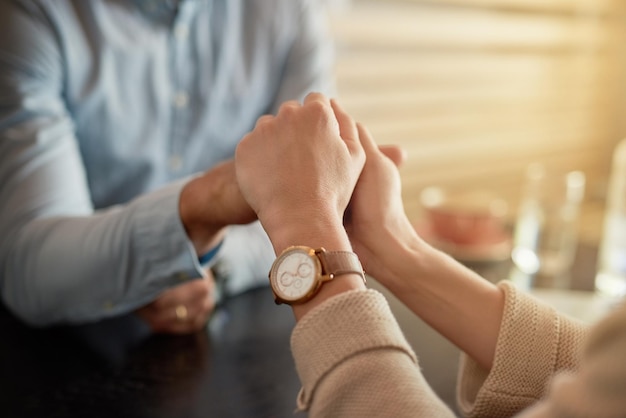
column 295, row 275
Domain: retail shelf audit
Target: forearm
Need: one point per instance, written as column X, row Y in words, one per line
column 535, row 343
column 76, row 269
column 455, row 301
column 347, row 351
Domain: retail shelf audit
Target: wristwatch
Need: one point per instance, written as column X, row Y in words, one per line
column 299, row 272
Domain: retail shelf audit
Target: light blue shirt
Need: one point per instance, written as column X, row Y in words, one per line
column 106, row 108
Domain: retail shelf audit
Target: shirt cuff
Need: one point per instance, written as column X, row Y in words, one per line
column 162, row 242
column 206, row 258
column 244, row 260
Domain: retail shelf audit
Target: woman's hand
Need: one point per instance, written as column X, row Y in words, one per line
column 376, row 222
column 454, row 300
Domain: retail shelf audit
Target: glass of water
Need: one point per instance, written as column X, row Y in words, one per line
column 611, row 271
column 545, row 236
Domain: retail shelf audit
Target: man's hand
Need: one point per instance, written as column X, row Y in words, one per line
column 184, row 309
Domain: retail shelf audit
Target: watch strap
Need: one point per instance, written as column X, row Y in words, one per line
column 336, row 263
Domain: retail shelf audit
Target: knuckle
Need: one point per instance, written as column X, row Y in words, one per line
column 288, row 110
column 264, row 121
column 319, row 107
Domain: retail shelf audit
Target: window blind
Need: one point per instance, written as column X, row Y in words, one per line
column 477, row 89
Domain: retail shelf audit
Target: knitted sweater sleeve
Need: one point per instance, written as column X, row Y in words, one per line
column 353, row 361
column 598, row 388
column 534, row 344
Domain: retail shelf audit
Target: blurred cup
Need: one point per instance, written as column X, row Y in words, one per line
column 545, row 236
column 466, row 219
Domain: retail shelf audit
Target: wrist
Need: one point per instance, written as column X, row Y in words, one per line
column 398, row 256
column 195, row 214
column 311, row 230
column 316, row 232
column 209, row 203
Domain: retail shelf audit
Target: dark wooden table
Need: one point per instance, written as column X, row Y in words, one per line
column 438, row 357
column 240, row 367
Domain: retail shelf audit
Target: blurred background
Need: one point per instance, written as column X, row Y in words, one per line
column 475, row 90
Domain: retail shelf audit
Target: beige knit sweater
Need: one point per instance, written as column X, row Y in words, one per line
column 354, row 361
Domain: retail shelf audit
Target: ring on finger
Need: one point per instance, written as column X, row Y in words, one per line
column 181, row 312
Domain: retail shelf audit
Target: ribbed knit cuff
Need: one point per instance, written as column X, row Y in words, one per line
column 525, row 360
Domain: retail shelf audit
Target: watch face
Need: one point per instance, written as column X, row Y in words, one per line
column 295, row 275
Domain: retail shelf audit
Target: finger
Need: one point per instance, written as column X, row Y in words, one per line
column 289, row 105
column 181, row 294
column 316, row 97
column 195, row 321
column 157, row 322
column 347, row 126
column 193, row 316
column 349, row 132
column 367, row 141
column 207, row 309
column 202, row 291
column 395, row 153
column 182, row 327
column 264, row 119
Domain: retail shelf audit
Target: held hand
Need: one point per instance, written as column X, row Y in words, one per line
column 376, row 222
column 300, row 166
column 451, row 298
column 184, row 309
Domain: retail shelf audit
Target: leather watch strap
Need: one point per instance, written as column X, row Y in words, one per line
column 335, row 263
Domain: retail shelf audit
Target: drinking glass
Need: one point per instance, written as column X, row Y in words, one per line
column 545, row 236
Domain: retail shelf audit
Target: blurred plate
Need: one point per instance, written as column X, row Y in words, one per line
column 497, row 249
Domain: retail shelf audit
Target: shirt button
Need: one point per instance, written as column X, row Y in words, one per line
column 108, row 305
column 182, row 276
column 181, row 32
column 175, row 163
column 181, row 99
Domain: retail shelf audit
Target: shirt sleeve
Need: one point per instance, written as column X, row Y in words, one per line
column 534, row 344
column 244, row 260
column 353, row 361
column 247, row 254
column 59, row 260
